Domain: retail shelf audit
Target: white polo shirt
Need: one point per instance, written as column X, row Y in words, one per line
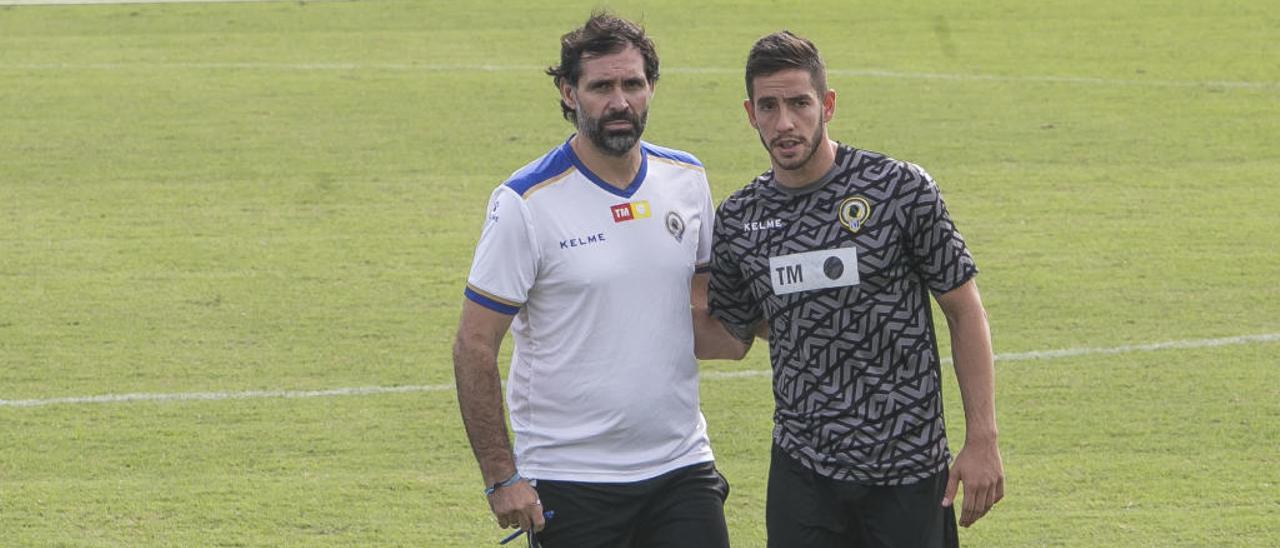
column 603, row 384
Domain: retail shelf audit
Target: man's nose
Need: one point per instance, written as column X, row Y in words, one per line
column 785, row 121
column 618, row 102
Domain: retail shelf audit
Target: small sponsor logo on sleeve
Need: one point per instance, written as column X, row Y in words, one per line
column 493, row 212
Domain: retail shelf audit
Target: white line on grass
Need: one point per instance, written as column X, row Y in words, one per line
column 252, row 394
column 1070, row 352
column 370, row 390
column 854, row 73
column 78, row 2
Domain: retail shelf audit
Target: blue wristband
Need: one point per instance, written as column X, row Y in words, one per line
column 515, row 476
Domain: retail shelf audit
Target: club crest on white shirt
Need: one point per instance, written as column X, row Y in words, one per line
column 675, row 225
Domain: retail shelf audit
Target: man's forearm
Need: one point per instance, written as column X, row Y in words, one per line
column 712, row 341
column 978, row 465
column 975, row 372
column 480, row 400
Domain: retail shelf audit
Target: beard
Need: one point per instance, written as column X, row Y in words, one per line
column 613, row 142
column 810, row 147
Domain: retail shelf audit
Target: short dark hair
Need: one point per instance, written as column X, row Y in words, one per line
column 602, row 34
column 781, row 51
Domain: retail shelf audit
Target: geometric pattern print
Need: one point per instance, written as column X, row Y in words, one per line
column 856, row 371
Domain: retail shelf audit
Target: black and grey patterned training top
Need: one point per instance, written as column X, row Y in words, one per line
column 842, row 271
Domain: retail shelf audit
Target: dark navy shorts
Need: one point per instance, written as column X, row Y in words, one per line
column 682, row 508
column 813, row 511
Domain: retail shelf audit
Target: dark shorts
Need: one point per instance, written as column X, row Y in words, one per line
column 805, row 509
column 682, row 508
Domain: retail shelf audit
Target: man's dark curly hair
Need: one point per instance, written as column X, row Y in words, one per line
column 602, row 34
column 780, row 51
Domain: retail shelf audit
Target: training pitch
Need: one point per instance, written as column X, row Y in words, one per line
column 234, row 237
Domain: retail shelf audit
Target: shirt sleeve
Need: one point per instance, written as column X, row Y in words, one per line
column 729, row 292
column 506, row 259
column 705, row 228
column 938, row 251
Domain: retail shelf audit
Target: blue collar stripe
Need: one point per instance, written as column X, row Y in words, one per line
column 625, row 192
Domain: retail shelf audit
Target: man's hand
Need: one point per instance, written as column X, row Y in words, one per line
column 517, row 506
column 979, row 468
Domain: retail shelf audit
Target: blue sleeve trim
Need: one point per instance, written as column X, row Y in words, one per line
column 490, row 303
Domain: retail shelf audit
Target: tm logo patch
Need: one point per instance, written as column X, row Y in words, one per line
column 630, row 211
column 811, row 270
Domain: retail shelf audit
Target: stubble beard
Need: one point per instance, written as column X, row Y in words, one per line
column 798, row 163
column 613, row 143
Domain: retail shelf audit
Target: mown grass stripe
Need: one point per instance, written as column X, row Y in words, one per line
column 715, row 375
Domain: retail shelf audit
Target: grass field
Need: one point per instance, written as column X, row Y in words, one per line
column 231, row 199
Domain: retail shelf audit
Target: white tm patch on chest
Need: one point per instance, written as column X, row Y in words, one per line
column 821, row 269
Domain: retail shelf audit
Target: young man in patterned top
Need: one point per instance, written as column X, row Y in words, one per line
column 835, row 252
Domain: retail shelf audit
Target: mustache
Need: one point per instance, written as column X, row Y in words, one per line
column 622, row 115
column 796, row 138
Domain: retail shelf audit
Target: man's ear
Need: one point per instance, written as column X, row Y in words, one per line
column 751, row 112
column 828, row 105
column 568, row 96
